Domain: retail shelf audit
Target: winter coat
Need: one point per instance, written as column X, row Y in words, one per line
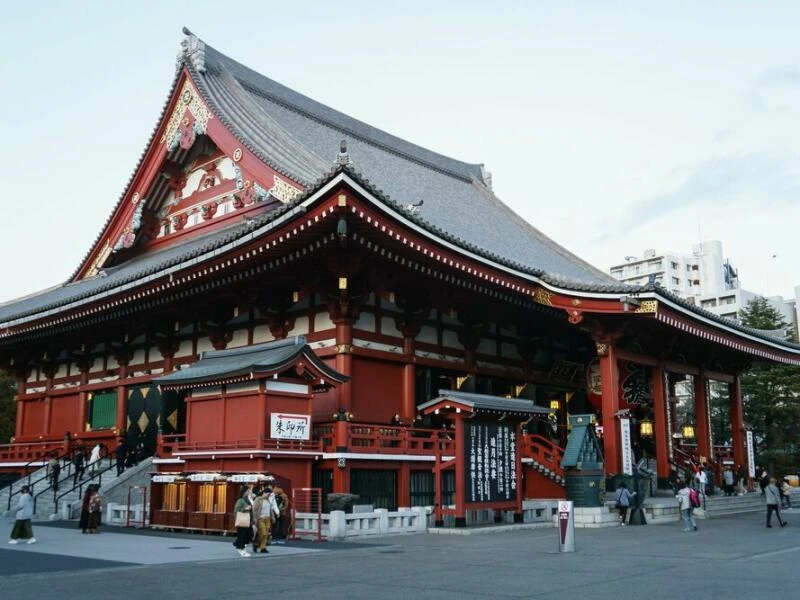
column 685, row 500
column 623, row 496
column 258, row 506
column 25, row 507
column 773, row 494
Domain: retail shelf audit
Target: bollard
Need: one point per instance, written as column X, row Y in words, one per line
column 566, row 526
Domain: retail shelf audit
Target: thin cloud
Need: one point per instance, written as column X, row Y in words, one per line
column 761, row 178
column 778, row 89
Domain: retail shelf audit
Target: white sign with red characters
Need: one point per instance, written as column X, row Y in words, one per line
column 284, row 426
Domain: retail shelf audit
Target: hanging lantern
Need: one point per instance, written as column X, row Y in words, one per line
column 646, row 428
column 688, row 431
column 555, row 404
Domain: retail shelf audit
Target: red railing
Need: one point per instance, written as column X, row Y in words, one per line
column 28, row 452
column 170, row 444
column 543, row 451
column 383, row 439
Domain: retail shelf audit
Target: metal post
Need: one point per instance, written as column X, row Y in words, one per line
column 566, row 526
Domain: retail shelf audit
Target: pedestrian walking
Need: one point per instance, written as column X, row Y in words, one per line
column 687, row 504
column 763, row 479
column 94, row 459
column 79, row 462
column 728, row 480
column 786, row 489
column 741, row 479
column 773, row 502
column 242, row 512
column 83, row 523
column 22, row 525
column 264, row 510
column 280, row 525
column 95, row 510
column 54, row 471
column 622, row 501
column 122, row 452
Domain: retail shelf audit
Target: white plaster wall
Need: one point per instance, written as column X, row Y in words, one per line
column 366, row 322
column 261, row 334
column 450, row 340
column 138, row 358
column 509, row 351
column 388, row 327
column 428, row 335
column 322, row 321
column 184, row 349
column 111, row 363
column 487, row 347
column 300, row 326
column 204, row 345
column 238, row 339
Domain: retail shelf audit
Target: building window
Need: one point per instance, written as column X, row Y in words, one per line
column 731, row 316
column 674, row 265
column 676, row 281
column 707, row 303
column 103, row 410
column 727, row 300
column 616, row 272
column 688, row 268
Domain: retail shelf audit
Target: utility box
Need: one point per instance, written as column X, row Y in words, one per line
column 583, row 462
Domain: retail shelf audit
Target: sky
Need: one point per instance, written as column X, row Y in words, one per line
column 613, row 127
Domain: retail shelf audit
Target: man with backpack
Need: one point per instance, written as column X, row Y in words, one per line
column 689, row 500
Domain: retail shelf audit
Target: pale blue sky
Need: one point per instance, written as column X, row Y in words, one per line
column 611, row 126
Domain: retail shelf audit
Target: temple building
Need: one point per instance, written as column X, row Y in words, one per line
column 283, row 289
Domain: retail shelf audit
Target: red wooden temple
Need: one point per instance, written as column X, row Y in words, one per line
column 280, row 287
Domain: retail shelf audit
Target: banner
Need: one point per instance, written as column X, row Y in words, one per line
column 490, row 462
column 751, row 455
column 285, row 426
column 626, row 447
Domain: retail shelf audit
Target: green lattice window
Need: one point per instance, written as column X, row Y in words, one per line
column 104, row 410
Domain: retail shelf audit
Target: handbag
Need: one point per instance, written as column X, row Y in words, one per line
column 242, row 519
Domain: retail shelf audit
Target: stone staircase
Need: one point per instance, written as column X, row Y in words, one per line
column 45, row 499
column 720, row 505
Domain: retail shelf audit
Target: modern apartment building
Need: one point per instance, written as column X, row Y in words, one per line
column 704, row 277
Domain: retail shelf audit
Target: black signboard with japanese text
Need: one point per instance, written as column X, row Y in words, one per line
column 490, row 462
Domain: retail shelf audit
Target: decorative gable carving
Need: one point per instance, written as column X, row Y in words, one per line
column 188, row 120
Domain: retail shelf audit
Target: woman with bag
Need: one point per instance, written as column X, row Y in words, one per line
column 622, row 501
column 241, row 513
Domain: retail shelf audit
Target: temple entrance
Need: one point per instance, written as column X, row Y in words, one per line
column 148, row 410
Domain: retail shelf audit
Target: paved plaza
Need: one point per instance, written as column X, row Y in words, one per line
column 733, row 557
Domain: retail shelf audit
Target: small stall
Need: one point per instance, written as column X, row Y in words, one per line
column 168, row 500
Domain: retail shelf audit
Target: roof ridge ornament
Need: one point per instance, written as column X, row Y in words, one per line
column 343, row 158
column 193, row 51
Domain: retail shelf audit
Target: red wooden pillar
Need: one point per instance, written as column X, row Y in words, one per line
column 404, row 485
column 702, row 417
column 344, row 361
column 262, row 416
column 661, row 428
column 20, row 417
column 609, row 373
column 461, row 508
column 341, row 479
column 122, row 403
column 737, row 423
column 83, row 398
column 48, row 413
column 408, row 409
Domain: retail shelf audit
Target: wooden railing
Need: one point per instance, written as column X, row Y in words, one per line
column 543, row 451
column 367, row 439
column 383, row 439
column 32, row 451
